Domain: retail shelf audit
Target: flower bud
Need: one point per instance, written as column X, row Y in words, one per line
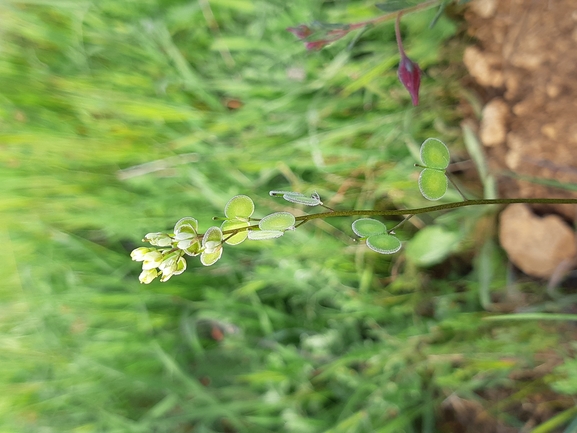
column 301, row 31
column 410, row 76
column 165, row 277
column 169, row 263
column 147, row 276
column 180, row 266
column 138, row 254
column 158, row 239
column 211, row 246
column 316, row 45
column 151, row 260
column 319, row 34
column 409, row 72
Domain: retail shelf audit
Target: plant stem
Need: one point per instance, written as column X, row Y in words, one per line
column 398, row 34
column 428, row 209
column 425, row 5
column 411, row 212
column 456, row 187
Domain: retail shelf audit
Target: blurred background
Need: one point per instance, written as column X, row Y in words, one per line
column 119, row 117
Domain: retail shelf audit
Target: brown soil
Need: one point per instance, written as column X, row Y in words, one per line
column 524, row 62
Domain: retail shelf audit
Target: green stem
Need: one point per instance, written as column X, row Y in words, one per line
column 447, row 206
column 400, row 212
column 456, row 187
column 422, row 6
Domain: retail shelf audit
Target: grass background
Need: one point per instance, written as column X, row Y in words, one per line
column 117, row 118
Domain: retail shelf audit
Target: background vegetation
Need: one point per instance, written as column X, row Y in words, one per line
column 119, row 117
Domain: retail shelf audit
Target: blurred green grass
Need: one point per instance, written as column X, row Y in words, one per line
column 119, row 117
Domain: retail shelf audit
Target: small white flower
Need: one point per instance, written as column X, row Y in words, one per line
column 151, row 260
column 158, row 239
column 138, row 254
column 180, row 236
column 211, row 246
column 169, row 264
column 147, row 276
column 165, row 277
column 180, row 266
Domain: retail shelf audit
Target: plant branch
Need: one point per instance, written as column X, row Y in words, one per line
column 398, row 34
column 456, row 187
column 422, row 6
column 428, row 209
column 401, row 212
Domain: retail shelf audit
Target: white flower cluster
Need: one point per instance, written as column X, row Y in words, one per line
column 168, row 259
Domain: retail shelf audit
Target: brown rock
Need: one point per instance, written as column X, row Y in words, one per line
column 484, row 8
column 484, row 67
column 535, row 245
column 494, row 123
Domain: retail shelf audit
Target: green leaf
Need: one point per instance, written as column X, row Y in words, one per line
column 232, row 225
column 297, row 197
column 431, row 245
column 212, row 245
column 384, row 243
column 435, row 154
column 277, row 221
column 301, row 199
column 281, row 193
column 239, row 207
column 186, row 225
column 260, row 235
column 193, row 249
column 477, row 153
column 433, row 184
column 208, row 259
column 212, row 239
column 365, row 227
column 212, row 234
column 440, row 12
column 180, row 266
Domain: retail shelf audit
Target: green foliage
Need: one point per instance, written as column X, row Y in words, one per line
column 433, row 184
column 238, row 211
column 239, row 207
column 235, row 225
column 365, row 227
column 384, row 243
column 435, row 154
column 376, row 235
column 431, row 245
column 432, row 180
column 394, row 5
column 298, row 198
column 119, row 116
column 211, row 246
column 280, row 221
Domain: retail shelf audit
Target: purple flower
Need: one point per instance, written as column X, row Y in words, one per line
column 410, row 75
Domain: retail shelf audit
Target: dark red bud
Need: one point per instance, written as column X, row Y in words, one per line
column 316, row 45
column 410, row 76
column 302, row 31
